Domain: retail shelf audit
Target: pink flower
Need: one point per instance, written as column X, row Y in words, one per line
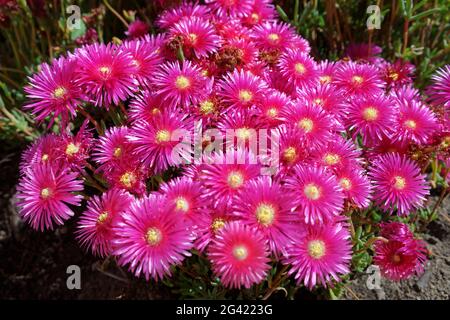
column 180, row 85
column 318, row 196
column 230, row 8
column 44, row 194
column 273, row 35
column 355, row 185
column 264, row 205
column 55, row 91
column 241, row 89
column 198, row 36
column 362, row 79
column 298, row 68
column 74, row 149
column 107, row 74
column 320, row 255
column 137, row 29
column 239, row 256
column 271, row 108
column 399, row 183
column 398, row 73
column 439, row 91
column 44, row 150
column 363, row 52
column 186, row 10
column 262, row 11
column 150, row 239
column 95, row 226
column 145, row 106
column 337, row 154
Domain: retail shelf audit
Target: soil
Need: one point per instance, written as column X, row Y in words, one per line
column 33, row 264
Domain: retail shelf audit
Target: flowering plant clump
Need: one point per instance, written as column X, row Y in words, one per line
column 222, row 139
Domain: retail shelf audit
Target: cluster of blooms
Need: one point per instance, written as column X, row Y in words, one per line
column 347, row 137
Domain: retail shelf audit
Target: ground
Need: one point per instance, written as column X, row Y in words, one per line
column 33, row 264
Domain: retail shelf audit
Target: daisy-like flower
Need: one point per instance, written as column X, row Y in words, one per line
column 241, row 89
column 363, row 52
column 262, row 11
column 231, row 8
column 95, row 226
column 337, row 154
column 155, row 141
column 271, row 108
column 326, row 70
column 212, row 221
column 414, row 122
column 273, row 35
column 198, row 37
column 112, row 148
column 299, row 68
column 398, row 182
column 371, row 116
column 106, row 73
column 264, row 205
column 150, row 238
column 54, row 91
column 356, row 186
column 313, row 122
column 144, row 57
column 239, row 255
column 236, row 53
column 186, row 10
column 185, row 194
column 240, row 127
column 317, row 194
column 439, row 91
column 223, row 175
column 320, row 255
column 75, row 149
column 45, row 194
column 292, row 147
column 44, row 150
column 127, row 175
column 385, row 145
column 137, row 29
column 145, row 106
column 180, row 84
column 361, row 79
column 398, row 73
column 400, row 255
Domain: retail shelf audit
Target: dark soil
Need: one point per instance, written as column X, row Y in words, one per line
column 33, row 264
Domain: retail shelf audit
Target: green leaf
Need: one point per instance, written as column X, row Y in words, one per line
column 282, row 14
column 425, row 14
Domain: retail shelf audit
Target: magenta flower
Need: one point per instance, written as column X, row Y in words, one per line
column 150, row 239
column 186, row 10
column 137, row 29
column 95, row 228
column 44, row 150
column 356, row 186
column 264, row 205
column 362, row 79
column 241, row 89
column 337, row 154
column 107, row 74
column 363, row 52
column 262, row 11
column 439, row 91
column 145, row 106
column 273, row 35
column 298, row 68
column 198, row 37
column 223, row 8
column 55, row 91
column 320, row 255
column 239, row 255
column 180, row 85
column 318, row 195
column 399, row 183
column 45, row 194
column 272, row 106
column 398, row 73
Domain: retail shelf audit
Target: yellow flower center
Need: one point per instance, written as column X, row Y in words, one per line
column 240, row 252
column 59, row 92
column 265, row 213
column 217, row 224
column 162, row 136
column 117, row 152
column 155, row 111
column 45, row 193
column 396, row 258
column 346, row 183
column 182, row 204
column 72, row 149
column 102, row 217
column 318, row 101
column 235, row 179
column 272, row 112
column 306, row 124
column 325, row 79
column 299, row 68
column 273, row 37
column 243, row 133
column 393, row 76
column 192, row 37
column 44, row 157
column 245, row 95
column 357, row 79
column 410, row 124
column 316, row 249
column 331, row 159
column 290, row 154
column 312, row 191
column 127, row 179
column 255, row 17
column 182, row 82
column 399, row 183
column 370, row 114
column 207, row 107
column 105, row 71
column 153, row 236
